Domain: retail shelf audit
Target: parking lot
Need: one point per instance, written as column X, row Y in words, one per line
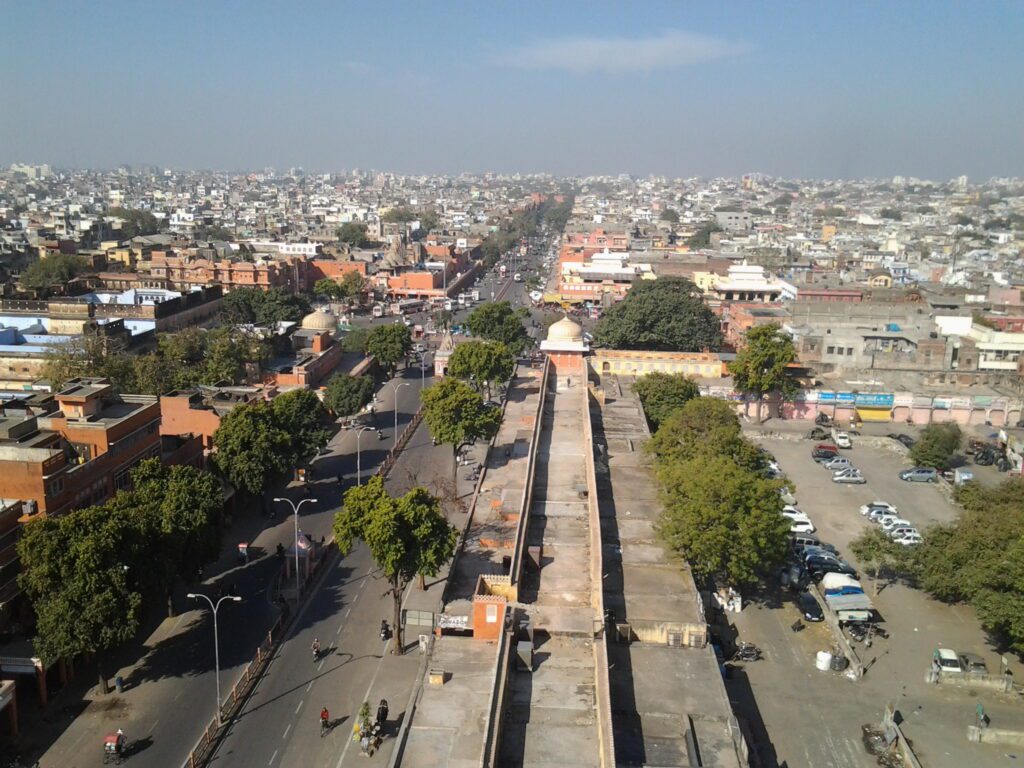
column 814, row 718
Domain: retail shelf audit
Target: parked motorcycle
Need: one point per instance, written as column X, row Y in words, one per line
column 747, row 652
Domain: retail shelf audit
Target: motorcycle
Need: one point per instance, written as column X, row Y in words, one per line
column 822, row 419
column 747, row 652
column 385, row 630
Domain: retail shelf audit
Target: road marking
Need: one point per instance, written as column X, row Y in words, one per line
column 348, row 611
column 298, row 707
column 285, row 736
column 320, row 666
column 178, row 695
column 309, row 686
column 153, row 726
column 338, row 632
column 272, row 758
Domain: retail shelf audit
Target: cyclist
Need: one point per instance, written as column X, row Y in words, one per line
column 325, row 720
column 316, row 648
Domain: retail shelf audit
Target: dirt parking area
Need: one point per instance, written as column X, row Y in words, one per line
column 806, row 717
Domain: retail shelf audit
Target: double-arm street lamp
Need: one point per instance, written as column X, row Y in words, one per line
column 398, row 386
column 216, row 643
column 359, row 466
column 295, row 514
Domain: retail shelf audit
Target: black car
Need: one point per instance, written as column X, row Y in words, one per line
column 907, row 440
column 818, row 565
column 809, row 607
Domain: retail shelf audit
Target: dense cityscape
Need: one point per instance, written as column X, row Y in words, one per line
column 685, row 427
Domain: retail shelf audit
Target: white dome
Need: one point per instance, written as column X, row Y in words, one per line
column 565, row 330
column 321, row 320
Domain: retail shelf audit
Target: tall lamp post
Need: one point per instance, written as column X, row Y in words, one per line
column 216, row 642
column 295, row 514
column 398, row 386
column 359, row 465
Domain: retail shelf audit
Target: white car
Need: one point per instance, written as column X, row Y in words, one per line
column 880, row 505
column 908, row 539
column 790, row 509
column 802, row 526
column 894, row 522
column 843, row 440
column 901, row 530
column 787, row 496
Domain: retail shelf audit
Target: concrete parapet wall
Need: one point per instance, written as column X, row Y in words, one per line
column 602, row 685
column 516, row 568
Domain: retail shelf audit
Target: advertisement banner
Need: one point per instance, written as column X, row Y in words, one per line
column 942, row 403
column 837, row 397
column 904, row 401
column 961, row 402
column 876, row 400
column 982, row 401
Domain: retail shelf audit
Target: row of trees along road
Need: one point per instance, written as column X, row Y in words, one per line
column 408, row 537
column 721, row 514
column 88, row 572
column 977, row 559
column 260, row 442
column 667, row 314
column 181, row 360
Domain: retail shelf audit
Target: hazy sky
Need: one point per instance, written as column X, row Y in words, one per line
column 815, row 89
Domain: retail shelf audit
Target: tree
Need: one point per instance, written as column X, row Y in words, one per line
column 328, row 288
column 256, row 306
column 353, row 285
column 891, row 213
column 53, row 270
column 662, row 393
column 389, row 344
column 725, row 521
column 761, row 365
column 457, row 415
column 301, row 416
column 135, row 223
column 875, row 551
column 399, row 215
column 250, row 449
column 665, row 314
column 353, row 233
column 184, row 505
column 496, row 321
column 443, row 319
column 670, row 215
column 73, row 571
column 482, row 363
column 704, row 426
column 356, row 340
column 702, row 237
column 937, row 444
column 213, row 233
column 346, row 395
column 407, row 537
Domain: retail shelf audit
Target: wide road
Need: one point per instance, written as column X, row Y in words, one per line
column 280, row 724
column 170, row 691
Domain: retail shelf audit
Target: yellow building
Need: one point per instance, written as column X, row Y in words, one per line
column 828, row 231
column 626, row 362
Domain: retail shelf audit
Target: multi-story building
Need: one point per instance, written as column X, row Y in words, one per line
column 187, row 272
column 81, row 451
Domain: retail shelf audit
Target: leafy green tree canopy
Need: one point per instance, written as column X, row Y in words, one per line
column 937, row 445
column 53, row 270
column 301, row 416
column 667, row 314
column 346, row 395
column 389, row 344
column 702, row 427
column 456, row 414
column 250, row 448
column 483, row 363
column 670, row 215
column 253, row 305
column 702, row 237
column 662, row 393
column 135, row 223
column 496, row 321
column 356, row 340
column 725, row 521
column 407, row 536
column 760, row 366
column 353, row 233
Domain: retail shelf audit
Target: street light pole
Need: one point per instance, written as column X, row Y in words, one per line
column 216, row 641
column 359, row 466
column 295, row 515
column 398, row 386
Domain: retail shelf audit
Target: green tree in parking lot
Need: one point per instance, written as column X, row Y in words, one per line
column 937, row 445
column 663, row 393
column 704, row 426
column 725, row 521
column 876, row 551
column 408, row 537
column 760, row 366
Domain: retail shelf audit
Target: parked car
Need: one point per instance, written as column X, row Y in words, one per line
column 824, row 452
column 920, row 475
column 818, row 433
column 909, row 539
column 839, row 462
column 972, row 663
column 850, row 478
column 817, row 566
column 907, row 440
column 903, row 530
column 801, row 540
column 843, row 440
column 825, row 550
column 891, row 523
column 809, row 607
column 787, row 496
column 801, row 526
column 882, row 505
column 947, row 660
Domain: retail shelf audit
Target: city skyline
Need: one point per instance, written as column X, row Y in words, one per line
column 796, row 91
